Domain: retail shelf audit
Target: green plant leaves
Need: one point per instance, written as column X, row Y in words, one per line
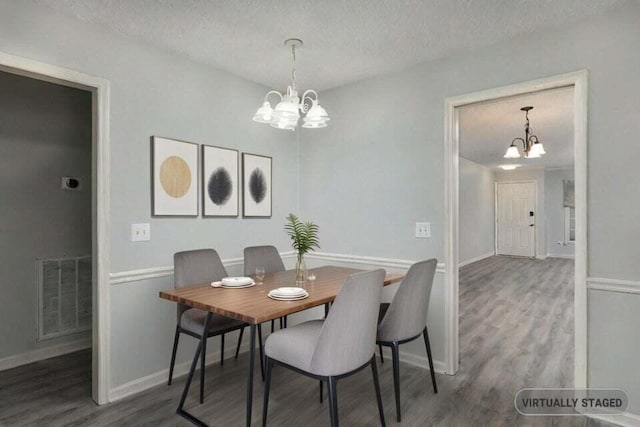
column 304, row 235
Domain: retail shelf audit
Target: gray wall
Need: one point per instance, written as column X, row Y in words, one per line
column 538, row 176
column 154, row 92
column 45, row 133
column 384, row 167
column 554, row 196
column 476, row 210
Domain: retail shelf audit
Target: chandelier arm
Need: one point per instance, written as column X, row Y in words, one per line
column 306, row 95
column 524, row 144
column 272, row 92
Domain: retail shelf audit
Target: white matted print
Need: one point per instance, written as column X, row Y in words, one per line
column 175, row 177
column 219, row 182
column 256, row 185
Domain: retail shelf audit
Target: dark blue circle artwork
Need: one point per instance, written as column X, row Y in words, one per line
column 257, row 185
column 220, row 186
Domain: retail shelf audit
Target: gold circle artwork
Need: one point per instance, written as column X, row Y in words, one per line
column 175, row 176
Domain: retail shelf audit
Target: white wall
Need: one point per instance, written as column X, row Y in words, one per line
column 45, row 134
column 538, row 176
column 476, row 210
column 378, row 167
column 554, row 196
column 154, row 92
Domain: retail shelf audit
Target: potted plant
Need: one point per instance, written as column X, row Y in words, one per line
column 304, row 239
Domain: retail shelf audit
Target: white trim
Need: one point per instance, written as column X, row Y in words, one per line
column 614, row 285
column 167, row 271
column 420, row 362
column 536, row 253
column 100, row 205
column 391, row 263
column 45, row 353
column 476, row 259
column 568, row 256
column 625, row 420
column 578, row 80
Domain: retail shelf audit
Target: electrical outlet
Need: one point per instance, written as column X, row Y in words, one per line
column 140, row 232
column 423, row 230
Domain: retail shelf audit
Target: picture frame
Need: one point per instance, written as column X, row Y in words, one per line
column 220, row 182
column 256, row 186
column 175, row 171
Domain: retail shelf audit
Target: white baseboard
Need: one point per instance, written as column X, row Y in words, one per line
column 141, row 384
column 568, row 256
column 422, row 362
column 45, row 353
column 476, row 259
column 625, row 420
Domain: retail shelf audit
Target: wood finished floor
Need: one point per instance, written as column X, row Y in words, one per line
column 516, row 330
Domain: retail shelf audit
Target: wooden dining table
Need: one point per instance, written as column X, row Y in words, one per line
column 253, row 306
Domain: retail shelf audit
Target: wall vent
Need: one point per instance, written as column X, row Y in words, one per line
column 65, row 296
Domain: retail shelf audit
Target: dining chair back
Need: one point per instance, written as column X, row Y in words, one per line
column 407, row 314
column 266, row 257
column 348, row 336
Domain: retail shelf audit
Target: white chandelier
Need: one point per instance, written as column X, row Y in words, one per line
column 287, row 111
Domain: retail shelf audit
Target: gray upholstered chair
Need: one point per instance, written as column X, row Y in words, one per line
column 192, row 268
column 266, row 257
column 404, row 319
column 334, row 348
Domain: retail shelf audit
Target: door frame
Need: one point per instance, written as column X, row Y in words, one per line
column 495, row 212
column 579, row 80
column 101, row 224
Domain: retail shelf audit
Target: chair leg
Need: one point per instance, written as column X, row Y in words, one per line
column 425, row 334
column 381, row 357
column 203, row 356
column 333, row 401
column 273, row 323
column 261, row 351
column 321, row 391
column 285, row 321
column 222, row 350
column 173, row 353
column 376, row 384
column 396, row 377
column 281, row 322
column 239, row 342
column 267, row 386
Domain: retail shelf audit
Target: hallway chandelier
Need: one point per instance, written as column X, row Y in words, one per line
column 287, row 111
column 531, row 146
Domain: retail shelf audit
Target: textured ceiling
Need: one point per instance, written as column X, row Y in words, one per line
column 345, row 40
column 487, row 129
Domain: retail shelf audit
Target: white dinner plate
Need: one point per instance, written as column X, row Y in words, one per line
column 222, row 285
column 288, row 291
column 288, row 299
column 236, row 281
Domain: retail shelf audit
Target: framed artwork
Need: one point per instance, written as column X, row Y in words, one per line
column 256, row 186
column 175, row 177
column 220, row 179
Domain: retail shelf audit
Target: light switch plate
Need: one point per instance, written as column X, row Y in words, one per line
column 140, row 232
column 423, row 230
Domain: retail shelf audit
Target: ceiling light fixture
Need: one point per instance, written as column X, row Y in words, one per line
column 287, row 111
column 509, row 167
column 531, row 146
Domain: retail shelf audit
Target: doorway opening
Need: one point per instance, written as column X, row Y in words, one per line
column 55, row 144
column 456, row 254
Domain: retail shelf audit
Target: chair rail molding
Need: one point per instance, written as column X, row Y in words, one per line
column 613, row 285
column 101, row 220
column 579, row 80
column 167, row 271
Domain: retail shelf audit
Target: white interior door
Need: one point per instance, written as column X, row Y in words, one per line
column 516, row 204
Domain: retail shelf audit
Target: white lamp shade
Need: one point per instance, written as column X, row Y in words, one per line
column 317, row 113
column 284, row 123
column 536, row 150
column 286, row 110
column 314, row 125
column 264, row 113
column 512, row 153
